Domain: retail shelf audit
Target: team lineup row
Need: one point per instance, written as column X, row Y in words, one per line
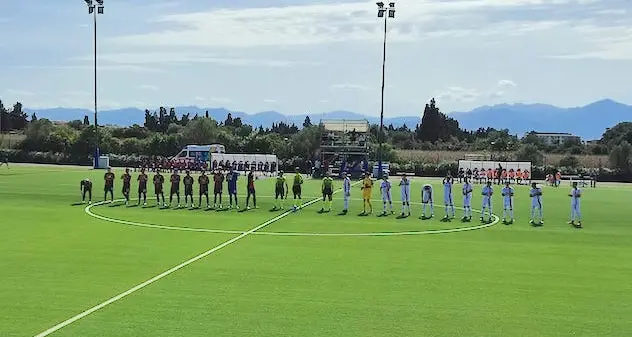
column 282, row 193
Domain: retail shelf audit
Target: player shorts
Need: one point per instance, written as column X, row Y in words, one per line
column 251, row 191
column 467, row 201
column 142, row 189
column 386, row 196
column 366, row 194
column 232, row 190
column 108, row 188
column 175, row 189
column 279, row 192
column 296, row 190
column 204, row 190
column 447, row 200
column 126, row 188
column 405, row 196
column 188, row 190
column 217, row 190
column 158, row 189
column 508, row 204
column 327, row 192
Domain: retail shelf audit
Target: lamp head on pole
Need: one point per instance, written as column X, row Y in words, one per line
column 382, row 10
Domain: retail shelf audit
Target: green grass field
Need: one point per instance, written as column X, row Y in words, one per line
column 57, row 261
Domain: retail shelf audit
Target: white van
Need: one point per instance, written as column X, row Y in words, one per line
column 198, row 153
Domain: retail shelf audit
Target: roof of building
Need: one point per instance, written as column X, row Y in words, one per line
column 346, row 125
column 554, row 134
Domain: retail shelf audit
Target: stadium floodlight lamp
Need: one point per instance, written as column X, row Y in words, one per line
column 380, row 9
column 391, row 10
column 100, row 7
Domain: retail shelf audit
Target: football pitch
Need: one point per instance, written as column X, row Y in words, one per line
column 112, row 270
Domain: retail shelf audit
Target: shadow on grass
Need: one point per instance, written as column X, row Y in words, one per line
column 133, row 206
column 151, row 206
column 115, row 205
column 77, row 204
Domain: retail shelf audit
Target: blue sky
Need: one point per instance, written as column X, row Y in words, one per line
column 313, row 56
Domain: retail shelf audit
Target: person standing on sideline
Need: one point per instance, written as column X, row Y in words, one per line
column 447, row 198
column 4, row 161
column 250, row 186
column 385, row 189
column 346, row 188
column 467, row 201
column 536, row 204
column 404, row 188
column 576, row 214
column 487, row 193
column 426, row 200
column 508, row 193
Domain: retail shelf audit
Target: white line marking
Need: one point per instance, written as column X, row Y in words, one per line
column 221, row 231
column 166, row 273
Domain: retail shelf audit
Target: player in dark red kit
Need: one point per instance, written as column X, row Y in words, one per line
column 251, row 190
column 142, row 187
column 218, row 181
column 203, row 181
column 159, row 180
column 188, row 188
column 127, row 185
column 109, row 184
column 86, row 188
column 175, row 187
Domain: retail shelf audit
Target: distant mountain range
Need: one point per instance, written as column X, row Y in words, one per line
column 589, row 121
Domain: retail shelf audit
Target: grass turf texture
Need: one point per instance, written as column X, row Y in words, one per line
column 516, row 280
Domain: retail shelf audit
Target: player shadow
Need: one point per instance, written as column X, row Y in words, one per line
column 150, row 206
column 77, row 204
column 210, row 209
column 363, row 214
column 402, row 217
column 223, row 209
column 132, row 206
column 322, row 211
column 342, row 214
column 115, row 205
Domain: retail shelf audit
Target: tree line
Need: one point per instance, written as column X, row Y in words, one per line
column 164, row 132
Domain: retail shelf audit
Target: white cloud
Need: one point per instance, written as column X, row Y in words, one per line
column 174, row 58
column 269, row 100
column 506, row 84
column 467, row 95
column 325, row 23
column 348, row 86
column 19, row 93
column 148, row 87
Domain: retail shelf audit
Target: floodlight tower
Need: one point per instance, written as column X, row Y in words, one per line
column 95, row 8
column 386, row 13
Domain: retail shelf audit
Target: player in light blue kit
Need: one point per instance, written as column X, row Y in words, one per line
column 487, row 193
column 385, row 188
column 447, row 198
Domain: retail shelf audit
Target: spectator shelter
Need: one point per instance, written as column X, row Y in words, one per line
column 344, row 146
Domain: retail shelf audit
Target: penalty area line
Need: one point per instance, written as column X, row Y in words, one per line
column 140, row 286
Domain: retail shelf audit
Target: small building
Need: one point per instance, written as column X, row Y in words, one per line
column 556, row 138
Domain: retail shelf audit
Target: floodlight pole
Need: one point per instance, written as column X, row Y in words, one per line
column 386, row 13
column 95, row 9
column 97, row 152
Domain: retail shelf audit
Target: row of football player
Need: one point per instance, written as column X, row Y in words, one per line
column 427, row 196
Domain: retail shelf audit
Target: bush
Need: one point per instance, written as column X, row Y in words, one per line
column 570, row 162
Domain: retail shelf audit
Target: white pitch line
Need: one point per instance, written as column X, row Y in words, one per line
column 221, row 231
column 166, row 273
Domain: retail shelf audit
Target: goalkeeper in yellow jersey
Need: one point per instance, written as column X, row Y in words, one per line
column 280, row 191
column 367, row 188
column 328, row 192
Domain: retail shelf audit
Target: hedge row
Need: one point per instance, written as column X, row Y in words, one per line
column 416, row 168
